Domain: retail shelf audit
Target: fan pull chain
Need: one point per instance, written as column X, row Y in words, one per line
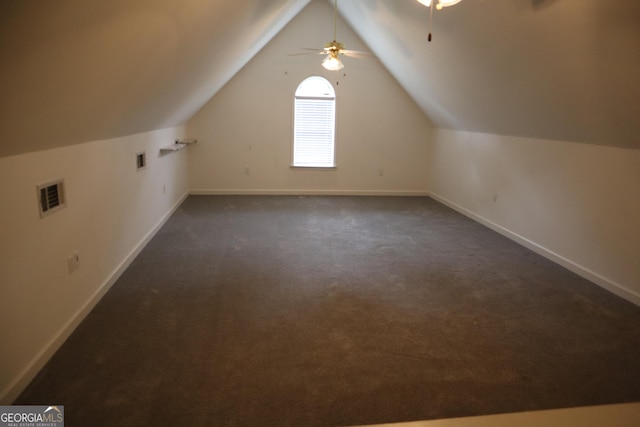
column 430, row 19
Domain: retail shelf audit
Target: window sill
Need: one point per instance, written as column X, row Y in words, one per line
column 317, row 168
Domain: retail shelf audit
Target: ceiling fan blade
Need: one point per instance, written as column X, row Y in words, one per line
column 355, row 53
column 313, row 51
column 308, row 53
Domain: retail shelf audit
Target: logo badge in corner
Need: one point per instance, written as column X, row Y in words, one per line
column 32, row 415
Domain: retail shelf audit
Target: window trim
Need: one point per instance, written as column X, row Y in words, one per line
column 332, row 97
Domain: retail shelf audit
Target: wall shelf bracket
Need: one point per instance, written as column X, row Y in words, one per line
column 178, row 145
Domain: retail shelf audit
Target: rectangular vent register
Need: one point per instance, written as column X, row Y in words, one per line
column 51, row 197
column 141, row 160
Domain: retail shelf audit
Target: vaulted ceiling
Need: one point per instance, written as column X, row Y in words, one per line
column 74, row 71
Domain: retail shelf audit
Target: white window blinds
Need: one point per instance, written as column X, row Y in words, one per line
column 314, row 124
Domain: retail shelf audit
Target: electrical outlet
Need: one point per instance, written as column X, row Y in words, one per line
column 247, row 171
column 73, row 262
column 380, row 172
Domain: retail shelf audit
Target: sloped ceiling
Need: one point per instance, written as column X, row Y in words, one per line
column 74, row 71
column 551, row 69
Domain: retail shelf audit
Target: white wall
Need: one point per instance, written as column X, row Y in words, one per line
column 577, row 204
column 112, row 210
column 248, row 124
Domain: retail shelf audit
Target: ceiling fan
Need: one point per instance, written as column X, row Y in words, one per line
column 334, row 49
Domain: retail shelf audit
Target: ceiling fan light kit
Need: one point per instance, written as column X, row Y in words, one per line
column 439, row 3
column 332, row 62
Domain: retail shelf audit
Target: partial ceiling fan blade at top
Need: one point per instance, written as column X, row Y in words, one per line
column 539, row 4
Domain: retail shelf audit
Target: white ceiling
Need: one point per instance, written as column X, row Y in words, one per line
column 75, row 71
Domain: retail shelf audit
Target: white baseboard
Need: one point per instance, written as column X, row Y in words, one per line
column 580, row 270
column 305, row 192
column 13, row 390
column 617, row 415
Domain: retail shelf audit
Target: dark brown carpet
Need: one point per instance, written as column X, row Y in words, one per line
column 305, row 311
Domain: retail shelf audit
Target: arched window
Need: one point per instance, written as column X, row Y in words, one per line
column 314, row 124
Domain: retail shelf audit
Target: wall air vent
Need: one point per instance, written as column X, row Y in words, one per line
column 51, row 197
column 141, row 160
